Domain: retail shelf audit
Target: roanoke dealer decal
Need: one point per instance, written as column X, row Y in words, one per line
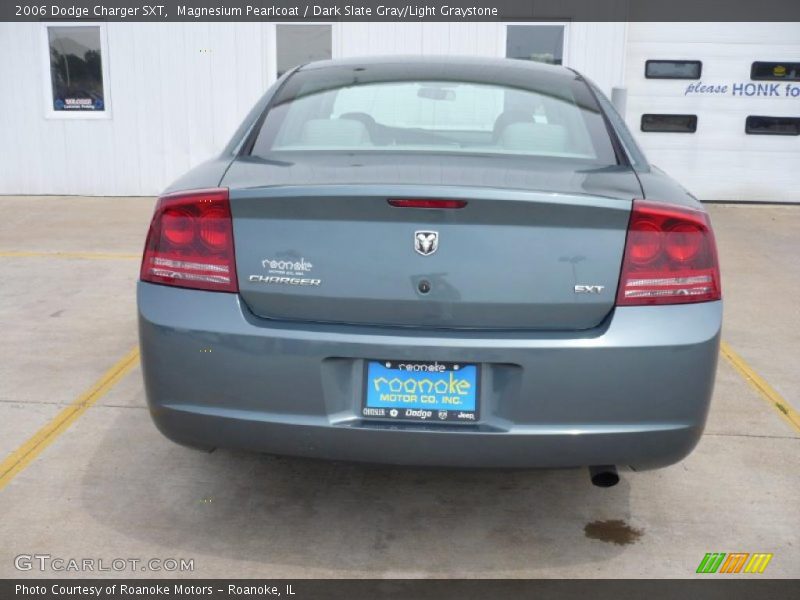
column 745, row 89
column 286, row 272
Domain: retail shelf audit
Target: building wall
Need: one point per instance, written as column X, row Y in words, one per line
column 719, row 161
column 178, row 91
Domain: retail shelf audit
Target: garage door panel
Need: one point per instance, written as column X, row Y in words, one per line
column 767, row 178
column 719, row 161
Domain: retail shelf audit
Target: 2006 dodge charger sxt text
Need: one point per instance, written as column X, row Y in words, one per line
column 432, row 261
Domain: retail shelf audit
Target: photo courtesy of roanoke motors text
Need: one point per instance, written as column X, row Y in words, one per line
column 370, row 299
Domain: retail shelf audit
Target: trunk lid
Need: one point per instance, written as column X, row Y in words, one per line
column 509, row 259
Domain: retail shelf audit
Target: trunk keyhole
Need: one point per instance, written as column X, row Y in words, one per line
column 424, row 286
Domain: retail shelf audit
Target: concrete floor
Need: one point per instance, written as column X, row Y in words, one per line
column 112, row 487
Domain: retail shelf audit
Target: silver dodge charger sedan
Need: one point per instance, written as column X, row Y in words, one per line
column 463, row 262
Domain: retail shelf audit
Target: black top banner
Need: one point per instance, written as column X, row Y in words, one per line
column 388, row 10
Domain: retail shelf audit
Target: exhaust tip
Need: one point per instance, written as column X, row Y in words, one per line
column 604, row 476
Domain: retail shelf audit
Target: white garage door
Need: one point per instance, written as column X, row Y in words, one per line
column 726, row 128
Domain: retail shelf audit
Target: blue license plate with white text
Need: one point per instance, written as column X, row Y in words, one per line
column 406, row 390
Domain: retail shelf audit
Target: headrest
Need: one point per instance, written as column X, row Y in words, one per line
column 334, row 133
column 534, row 138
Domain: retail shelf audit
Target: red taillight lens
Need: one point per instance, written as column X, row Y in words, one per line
column 215, row 228
column 177, row 226
column 190, row 242
column 670, row 257
column 424, row 203
column 683, row 242
column 644, row 246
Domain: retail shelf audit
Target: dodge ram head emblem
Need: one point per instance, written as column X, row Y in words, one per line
column 426, row 242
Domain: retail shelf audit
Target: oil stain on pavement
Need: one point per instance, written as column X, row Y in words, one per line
column 613, row 531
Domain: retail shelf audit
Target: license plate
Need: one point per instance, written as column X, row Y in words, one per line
column 407, row 390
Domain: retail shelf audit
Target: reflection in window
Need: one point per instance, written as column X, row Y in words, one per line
column 539, row 43
column 756, row 125
column 299, row 44
column 76, row 68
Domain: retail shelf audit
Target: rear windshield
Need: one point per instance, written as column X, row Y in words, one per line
column 317, row 112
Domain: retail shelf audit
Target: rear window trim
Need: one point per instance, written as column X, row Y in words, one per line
column 252, row 135
column 620, row 149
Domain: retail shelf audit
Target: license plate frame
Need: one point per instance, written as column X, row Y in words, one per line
column 428, row 405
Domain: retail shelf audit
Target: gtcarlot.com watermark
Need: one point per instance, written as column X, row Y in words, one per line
column 57, row 564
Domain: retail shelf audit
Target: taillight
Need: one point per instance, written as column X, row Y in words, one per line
column 190, row 242
column 670, row 257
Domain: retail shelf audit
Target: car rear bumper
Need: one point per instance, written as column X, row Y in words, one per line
column 633, row 392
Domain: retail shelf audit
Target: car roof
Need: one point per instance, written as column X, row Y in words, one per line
column 471, row 68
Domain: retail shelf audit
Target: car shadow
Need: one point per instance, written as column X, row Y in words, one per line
column 255, row 515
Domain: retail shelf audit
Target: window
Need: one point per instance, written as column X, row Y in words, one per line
column 77, row 71
column 425, row 105
column 635, row 154
column 540, row 43
column 673, row 69
column 403, row 112
column 768, row 71
column 299, row 44
column 772, row 125
column 670, row 123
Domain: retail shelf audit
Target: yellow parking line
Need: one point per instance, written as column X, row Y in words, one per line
column 22, row 456
column 87, row 255
column 778, row 402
